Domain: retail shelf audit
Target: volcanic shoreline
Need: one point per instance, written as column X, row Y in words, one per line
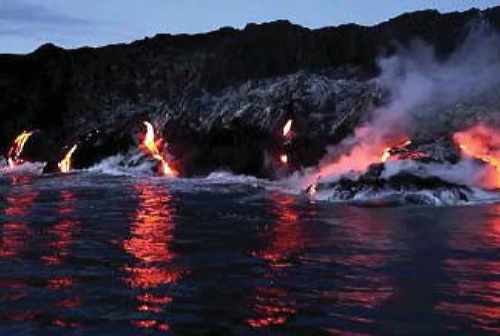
column 220, row 99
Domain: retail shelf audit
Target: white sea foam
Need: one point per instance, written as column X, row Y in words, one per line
column 124, row 165
column 134, row 165
column 27, row 168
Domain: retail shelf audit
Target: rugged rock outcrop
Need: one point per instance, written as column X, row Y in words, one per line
column 373, row 188
column 220, row 98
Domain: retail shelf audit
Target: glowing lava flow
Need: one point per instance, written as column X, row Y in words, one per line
column 483, row 143
column 152, row 148
column 286, row 134
column 386, row 155
column 15, row 151
column 287, row 128
column 355, row 154
column 65, row 164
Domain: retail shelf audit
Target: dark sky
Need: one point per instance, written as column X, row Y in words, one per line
column 26, row 24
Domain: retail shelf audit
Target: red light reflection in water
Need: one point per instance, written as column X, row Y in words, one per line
column 15, row 235
column 287, row 234
column 272, row 305
column 63, row 233
column 149, row 244
column 475, row 294
column 15, row 231
column 368, row 246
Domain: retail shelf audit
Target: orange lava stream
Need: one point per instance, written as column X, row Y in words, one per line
column 15, row 151
column 151, row 147
column 386, row 155
column 287, row 128
column 65, row 164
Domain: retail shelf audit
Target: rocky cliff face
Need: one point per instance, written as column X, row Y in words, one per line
column 220, row 98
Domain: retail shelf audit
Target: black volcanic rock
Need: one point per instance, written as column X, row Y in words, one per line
column 242, row 126
column 219, row 97
column 372, row 188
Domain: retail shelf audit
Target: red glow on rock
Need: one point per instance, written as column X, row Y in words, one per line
column 483, row 143
column 368, row 147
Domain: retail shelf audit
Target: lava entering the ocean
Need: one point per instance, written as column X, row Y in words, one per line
column 368, row 148
column 151, row 147
column 483, row 143
column 388, row 151
column 65, row 164
column 15, row 151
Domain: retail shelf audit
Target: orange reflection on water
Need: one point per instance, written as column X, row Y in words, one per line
column 65, row 324
column 60, row 283
column 272, row 308
column 151, row 236
column 272, row 305
column 475, row 293
column 15, row 231
column 152, row 324
column 152, row 303
column 287, row 236
column 63, row 231
column 59, row 247
column 476, row 297
column 70, row 303
column 367, row 246
column 150, row 245
column 15, row 234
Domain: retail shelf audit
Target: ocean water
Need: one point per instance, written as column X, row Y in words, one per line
column 93, row 254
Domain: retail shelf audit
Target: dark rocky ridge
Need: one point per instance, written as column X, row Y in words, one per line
column 260, row 75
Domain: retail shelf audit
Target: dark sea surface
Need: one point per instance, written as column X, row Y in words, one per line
column 90, row 254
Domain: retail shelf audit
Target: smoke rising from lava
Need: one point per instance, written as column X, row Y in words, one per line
column 421, row 85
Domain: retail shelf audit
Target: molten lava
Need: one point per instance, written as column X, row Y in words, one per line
column 366, row 147
column 15, row 151
column 483, row 143
column 287, row 128
column 287, row 135
column 151, row 146
column 386, row 155
column 65, row 164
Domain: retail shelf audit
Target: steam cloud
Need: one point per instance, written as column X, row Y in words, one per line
column 428, row 97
